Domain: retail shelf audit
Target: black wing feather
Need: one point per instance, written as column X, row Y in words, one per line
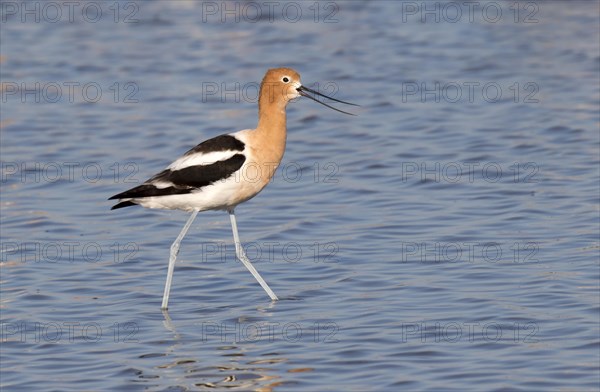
column 203, row 175
column 218, row 143
column 185, row 180
column 191, row 178
column 123, row 204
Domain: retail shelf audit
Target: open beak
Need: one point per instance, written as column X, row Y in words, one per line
column 305, row 90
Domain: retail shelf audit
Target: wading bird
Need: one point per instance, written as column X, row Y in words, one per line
column 214, row 174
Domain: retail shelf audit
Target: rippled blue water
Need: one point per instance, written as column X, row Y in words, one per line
column 447, row 238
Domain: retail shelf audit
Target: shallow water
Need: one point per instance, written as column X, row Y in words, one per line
column 444, row 239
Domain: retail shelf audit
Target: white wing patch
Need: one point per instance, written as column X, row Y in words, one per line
column 161, row 184
column 201, row 159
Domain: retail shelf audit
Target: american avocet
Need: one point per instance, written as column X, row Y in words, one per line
column 212, row 175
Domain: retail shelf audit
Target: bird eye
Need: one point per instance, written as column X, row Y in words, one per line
column 285, row 79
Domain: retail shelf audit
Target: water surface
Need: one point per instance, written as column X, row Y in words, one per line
column 446, row 238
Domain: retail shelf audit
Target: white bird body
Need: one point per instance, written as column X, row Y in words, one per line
column 223, row 194
column 222, row 172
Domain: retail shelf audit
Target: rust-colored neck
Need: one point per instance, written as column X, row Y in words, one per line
column 271, row 129
column 271, row 106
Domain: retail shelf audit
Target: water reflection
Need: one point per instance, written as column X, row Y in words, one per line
column 235, row 370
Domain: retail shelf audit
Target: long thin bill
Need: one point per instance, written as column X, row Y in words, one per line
column 302, row 90
column 325, row 96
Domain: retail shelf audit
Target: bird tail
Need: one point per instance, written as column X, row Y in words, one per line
column 122, row 204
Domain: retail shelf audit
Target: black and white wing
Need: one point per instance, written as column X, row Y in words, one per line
column 211, row 161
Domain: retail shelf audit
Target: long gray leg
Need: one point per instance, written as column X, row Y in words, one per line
column 173, row 256
column 239, row 251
